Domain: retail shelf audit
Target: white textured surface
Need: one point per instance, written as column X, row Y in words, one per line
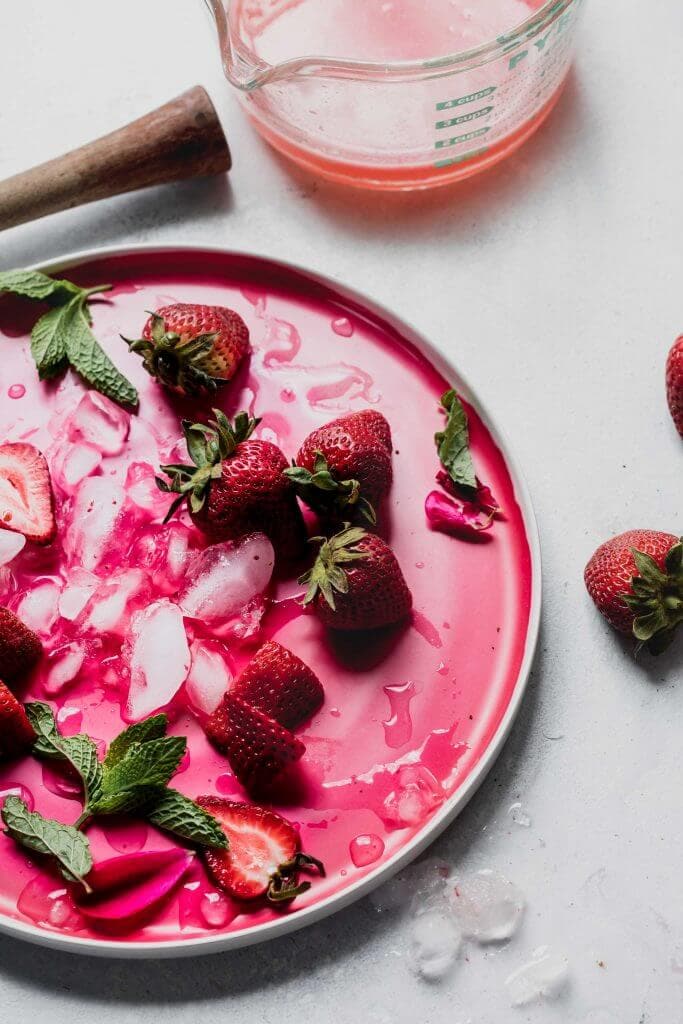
column 555, row 282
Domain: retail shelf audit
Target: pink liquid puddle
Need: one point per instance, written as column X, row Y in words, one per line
column 374, row 778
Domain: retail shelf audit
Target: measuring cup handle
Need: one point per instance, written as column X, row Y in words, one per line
column 180, row 140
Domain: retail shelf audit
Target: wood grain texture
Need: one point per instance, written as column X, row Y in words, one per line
column 182, row 139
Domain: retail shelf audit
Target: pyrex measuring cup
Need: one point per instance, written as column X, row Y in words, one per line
column 371, row 92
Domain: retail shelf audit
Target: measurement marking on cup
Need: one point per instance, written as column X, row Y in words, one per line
column 462, row 100
column 467, row 137
column 464, row 118
column 449, row 161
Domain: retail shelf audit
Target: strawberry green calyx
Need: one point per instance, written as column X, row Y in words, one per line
column 327, row 575
column 208, row 446
column 656, row 599
column 325, row 494
column 284, row 884
column 178, row 362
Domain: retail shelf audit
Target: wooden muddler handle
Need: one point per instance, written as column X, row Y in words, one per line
column 183, row 139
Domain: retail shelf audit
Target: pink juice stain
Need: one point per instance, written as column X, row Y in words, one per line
column 349, row 776
column 398, row 728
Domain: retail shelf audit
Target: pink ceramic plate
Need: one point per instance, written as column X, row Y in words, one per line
column 408, row 729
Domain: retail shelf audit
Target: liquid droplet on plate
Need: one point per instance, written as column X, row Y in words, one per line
column 69, row 720
column 16, row 789
column 398, row 728
column 343, row 327
column 287, row 395
column 16, row 391
column 366, row 849
column 62, row 782
column 125, row 837
column 44, row 901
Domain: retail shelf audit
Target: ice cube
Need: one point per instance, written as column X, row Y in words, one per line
column 10, row 545
column 99, row 422
column 99, row 526
column 413, row 887
column 64, row 664
column 71, row 463
column 158, row 656
column 434, row 944
column 544, row 977
column 143, row 491
column 80, row 586
column 39, row 607
column 487, row 906
column 416, row 795
column 108, row 610
column 225, row 579
column 209, row 678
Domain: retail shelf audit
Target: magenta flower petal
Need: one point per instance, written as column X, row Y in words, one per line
column 461, row 518
column 484, row 498
column 128, row 887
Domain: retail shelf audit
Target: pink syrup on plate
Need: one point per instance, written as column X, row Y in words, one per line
column 407, row 716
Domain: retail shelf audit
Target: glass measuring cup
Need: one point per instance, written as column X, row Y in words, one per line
column 320, row 81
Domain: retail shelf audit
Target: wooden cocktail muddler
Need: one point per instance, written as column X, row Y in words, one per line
column 180, row 140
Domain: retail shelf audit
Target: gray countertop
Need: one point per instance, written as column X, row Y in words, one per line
column 555, row 283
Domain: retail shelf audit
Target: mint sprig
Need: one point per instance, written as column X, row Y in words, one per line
column 79, row 751
column 63, row 337
column 176, row 813
column 453, row 444
column 69, row 847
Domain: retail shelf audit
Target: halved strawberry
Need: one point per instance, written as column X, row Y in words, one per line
column 16, row 732
column 280, row 685
column 26, row 502
column 20, row 648
column 264, row 853
column 257, row 748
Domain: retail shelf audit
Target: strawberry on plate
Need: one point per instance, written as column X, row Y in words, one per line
column 356, row 582
column 192, row 348
column 264, row 855
column 26, row 501
column 16, row 732
column 674, row 383
column 20, row 648
column 280, row 685
column 636, row 582
column 345, row 466
column 257, row 747
column 236, row 485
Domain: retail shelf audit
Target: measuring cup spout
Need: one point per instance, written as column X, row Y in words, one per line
column 239, row 66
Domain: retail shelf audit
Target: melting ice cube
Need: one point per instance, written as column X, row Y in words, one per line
column 434, row 944
column 80, row 585
column 64, row 666
column 99, row 527
column 99, row 422
column 108, row 610
column 38, row 608
column 164, row 551
column 208, row 679
column 224, row 579
column 544, row 977
column 143, row 491
column 71, row 463
column 417, row 793
column 10, row 545
column 414, row 887
column 159, row 658
column 487, row 906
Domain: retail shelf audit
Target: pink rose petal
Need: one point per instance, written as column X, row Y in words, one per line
column 127, row 887
column 484, row 498
column 461, row 518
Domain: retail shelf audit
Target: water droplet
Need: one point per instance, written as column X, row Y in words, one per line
column 398, row 728
column 124, row 837
column 519, row 815
column 342, row 326
column 16, row 391
column 442, row 669
column 69, row 720
column 16, row 789
column 287, row 395
column 62, row 782
column 45, row 902
column 225, row 784
column 419, row 565
column 216, row 909
column 366, row 849
column 335, row 712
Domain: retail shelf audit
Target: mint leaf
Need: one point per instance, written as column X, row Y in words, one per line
column 453, row 444
column 79, row 751
column 125, row 801
column 176, row 813
column 32, row 284
column 150, row 729
column 89, row 359
column 48, row 342
column 133, row 780
column 67, row 845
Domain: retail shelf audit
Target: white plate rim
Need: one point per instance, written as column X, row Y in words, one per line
column 454, row 804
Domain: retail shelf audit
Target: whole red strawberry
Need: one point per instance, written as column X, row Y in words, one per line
column 26, row 501
column 20, row 648
column 237, row 485
column 345, row 466
column 264, row 855
column 356, row 582
column 190, row 348
column 674, row 383
column 280, row 685
column 16, row 732
column 636, row 581
column 257, row 747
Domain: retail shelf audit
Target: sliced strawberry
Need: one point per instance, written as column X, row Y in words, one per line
column 26, row 502
column 280, row 685
column 16, row 732
column 20, row 648
column 257, row 748
column 264, row 853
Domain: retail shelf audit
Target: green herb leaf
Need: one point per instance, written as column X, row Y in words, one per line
column 176, row 813
column 79, row 750
column 453, row 444
column 89, row 359
column 48, row 342
column 67, row 845
column 32, row 284
column 125, row 801
column 133, row 779
column 150, row 729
